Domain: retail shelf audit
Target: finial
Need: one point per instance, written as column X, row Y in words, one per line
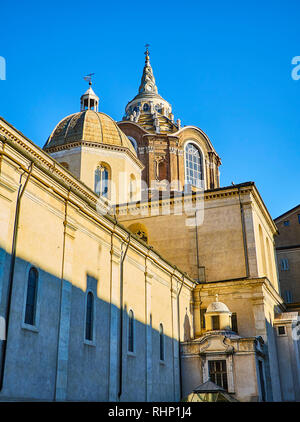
column 147, row 54
column 88, row 78
column 217, row 297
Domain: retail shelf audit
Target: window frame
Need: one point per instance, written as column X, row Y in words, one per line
column 284, row 334
column 25, row 325
column 162, row 349
column 133, row 143
column 90, row 342
column 131, row 320
column 229, row 369
column 284, row 264
column 222, row 372
column 288, row 296
column 202, row 158
column 106, row 168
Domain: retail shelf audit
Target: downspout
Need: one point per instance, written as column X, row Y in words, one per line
column 178, row 320
column 244, row 234
column 61, row 286
column 12, row 269
column 123, row 256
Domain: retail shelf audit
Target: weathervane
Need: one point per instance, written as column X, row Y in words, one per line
column 88, row 78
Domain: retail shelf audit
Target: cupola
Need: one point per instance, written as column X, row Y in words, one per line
column 217, row 316
column 89, row 100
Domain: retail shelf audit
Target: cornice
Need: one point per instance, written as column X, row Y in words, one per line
column 96, row 145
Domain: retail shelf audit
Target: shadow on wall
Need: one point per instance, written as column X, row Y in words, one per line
column 71, row 352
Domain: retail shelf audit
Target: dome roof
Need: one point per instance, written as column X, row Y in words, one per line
column 217, row 307
column 88, row 126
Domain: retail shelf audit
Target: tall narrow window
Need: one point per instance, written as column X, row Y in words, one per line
column 32, row 286
column 218, row 372
column 89, row 319
column 131, row 331
column 284, row 264
column 202, row 316
column 193, row 166
column 215, row 322
column 101, row 181
column 161, row 343
column 288, row 296
column 234, row 325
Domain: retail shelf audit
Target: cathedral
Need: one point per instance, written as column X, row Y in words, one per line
column 128, row 273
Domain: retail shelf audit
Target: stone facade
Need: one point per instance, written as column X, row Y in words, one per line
column 77, row 250
column 288, row 254
column 134, row 292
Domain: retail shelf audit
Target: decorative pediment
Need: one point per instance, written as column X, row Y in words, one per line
column 217, row 343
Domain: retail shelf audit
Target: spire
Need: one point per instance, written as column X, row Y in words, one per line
column 148, row 81
column 148, row 108
column 89, row 100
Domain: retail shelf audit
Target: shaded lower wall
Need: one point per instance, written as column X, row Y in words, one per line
column 40, row 367
column 245, row 383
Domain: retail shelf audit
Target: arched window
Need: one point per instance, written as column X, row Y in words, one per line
column 146, row 107
column 102, row 180
column 131, row 331
column 133, row 142
column 161, row 343
column 32, row 285
column 89, row 319
column 193, row 166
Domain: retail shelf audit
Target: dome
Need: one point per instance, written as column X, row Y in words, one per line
column 217, row 307
column 88, row 126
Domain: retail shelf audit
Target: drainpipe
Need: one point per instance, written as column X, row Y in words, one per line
column 12, row 269
column 61, row 285
column 123, row 256
column 244, row 234
column 197, row 247
column 178, row 320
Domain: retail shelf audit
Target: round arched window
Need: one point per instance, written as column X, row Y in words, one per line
column 133, row 142
column 193, row 166
column 102, row 180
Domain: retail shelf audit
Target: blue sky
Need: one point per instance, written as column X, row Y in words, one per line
column 224, row 66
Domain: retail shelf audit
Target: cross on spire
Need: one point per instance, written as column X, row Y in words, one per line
column 147, row 52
